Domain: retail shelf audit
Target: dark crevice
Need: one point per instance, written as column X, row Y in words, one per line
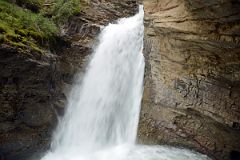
column 235, row 155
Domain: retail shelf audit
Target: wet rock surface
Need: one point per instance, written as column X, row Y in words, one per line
column 192, row 80
column 35, row 86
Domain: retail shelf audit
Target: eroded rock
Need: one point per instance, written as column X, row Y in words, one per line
column 192, row 76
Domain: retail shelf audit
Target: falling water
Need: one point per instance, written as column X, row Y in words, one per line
column 103, row 111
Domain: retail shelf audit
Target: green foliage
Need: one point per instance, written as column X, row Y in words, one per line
column 30, row 23
column 63, row 9
column 23, row 28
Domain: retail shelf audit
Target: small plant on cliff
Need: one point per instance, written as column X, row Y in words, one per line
column 61, row 10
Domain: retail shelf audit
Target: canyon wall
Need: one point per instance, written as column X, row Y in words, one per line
column 192, row 81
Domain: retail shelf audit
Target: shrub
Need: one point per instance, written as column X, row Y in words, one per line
column 63, row 9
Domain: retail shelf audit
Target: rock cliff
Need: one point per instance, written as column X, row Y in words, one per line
column 34, row 85
column 192, row 81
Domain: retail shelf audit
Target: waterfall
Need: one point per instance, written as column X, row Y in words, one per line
column 102, row 115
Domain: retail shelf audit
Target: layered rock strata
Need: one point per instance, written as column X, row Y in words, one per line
column 192, row 80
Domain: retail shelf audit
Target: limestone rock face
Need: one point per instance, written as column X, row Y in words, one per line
column 34, row 87
column 192, row 81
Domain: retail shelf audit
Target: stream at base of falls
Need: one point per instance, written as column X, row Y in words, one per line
column 103, row 109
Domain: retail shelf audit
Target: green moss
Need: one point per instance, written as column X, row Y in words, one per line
column 19, row 26
column 18, row 44
column 33, row 23
column 3, row 27
column 36, row 48
column 21, row 32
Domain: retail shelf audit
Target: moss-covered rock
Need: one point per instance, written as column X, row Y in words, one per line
column 23, row 28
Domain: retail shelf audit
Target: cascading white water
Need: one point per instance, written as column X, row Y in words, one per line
column 103, row 111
